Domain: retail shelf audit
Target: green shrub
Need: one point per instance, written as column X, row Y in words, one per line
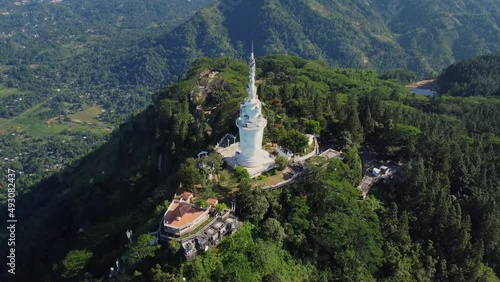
column 241, row 173
column 281, row 163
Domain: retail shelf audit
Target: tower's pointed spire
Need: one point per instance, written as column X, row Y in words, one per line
column 252, row 90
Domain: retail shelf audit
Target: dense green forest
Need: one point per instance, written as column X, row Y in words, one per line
column 437, row 221
column 472, row 77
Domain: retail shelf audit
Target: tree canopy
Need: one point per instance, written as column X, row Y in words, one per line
column 435, row 219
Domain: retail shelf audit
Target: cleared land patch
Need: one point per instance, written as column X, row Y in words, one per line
column 88, row 115
column 34, row 126
column 4, row 68
column 7, row 91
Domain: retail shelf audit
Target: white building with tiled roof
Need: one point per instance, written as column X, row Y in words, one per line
column 183, row 217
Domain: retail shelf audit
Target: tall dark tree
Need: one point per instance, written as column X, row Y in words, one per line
column 352, row 123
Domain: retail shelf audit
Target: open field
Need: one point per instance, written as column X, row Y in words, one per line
column 36, row 127
column 86, row 116
column 73, row 48
column 7, row 91
column 29, row 122
column 4, row 68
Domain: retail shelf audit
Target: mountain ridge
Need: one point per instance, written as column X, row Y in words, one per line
column 422, row 36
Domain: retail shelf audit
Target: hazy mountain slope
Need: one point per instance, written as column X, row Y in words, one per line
column 436, row 34
column 71, row 45
column 57, row 76
column 424, row 36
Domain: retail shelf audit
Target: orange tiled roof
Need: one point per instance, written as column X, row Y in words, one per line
column 180, row 214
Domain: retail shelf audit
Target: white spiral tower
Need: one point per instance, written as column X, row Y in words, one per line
column 251, row 125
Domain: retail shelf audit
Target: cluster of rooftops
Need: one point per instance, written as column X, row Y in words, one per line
column 182, row 216
column 182, row 220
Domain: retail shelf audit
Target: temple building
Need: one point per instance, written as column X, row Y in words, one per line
column 251, row 123
column 182, row 217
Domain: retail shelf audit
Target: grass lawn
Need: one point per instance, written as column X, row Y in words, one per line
column 267, row 179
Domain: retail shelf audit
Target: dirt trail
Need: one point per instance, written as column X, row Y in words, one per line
column 430, row 84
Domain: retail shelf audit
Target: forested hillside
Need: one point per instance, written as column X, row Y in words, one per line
column 62, row 52
column 60, row 94
column 473, row 77
column 424, row 36
column 437, row 221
